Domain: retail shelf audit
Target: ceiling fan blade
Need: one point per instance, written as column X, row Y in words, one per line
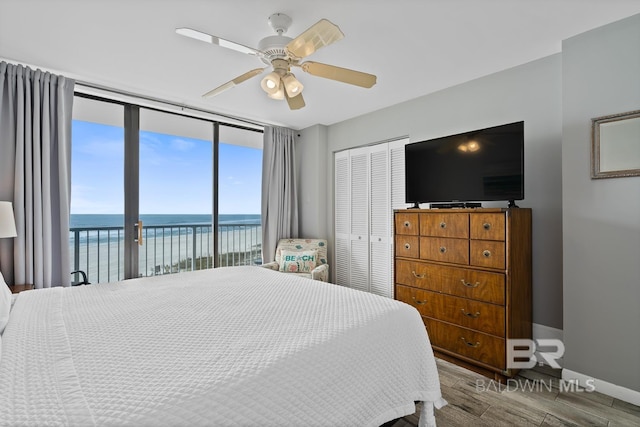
column 295, row 103
column 198, row 35
column 344, row 75
column 234, row 82
column 320, row 34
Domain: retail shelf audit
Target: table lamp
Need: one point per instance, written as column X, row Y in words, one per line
column 7, row 220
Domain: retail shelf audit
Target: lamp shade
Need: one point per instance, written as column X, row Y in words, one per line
column 278, row 94
column 292, row 85
column 7, row 220
column 271, row 83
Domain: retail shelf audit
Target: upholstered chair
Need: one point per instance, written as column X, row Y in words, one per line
column 303, row 257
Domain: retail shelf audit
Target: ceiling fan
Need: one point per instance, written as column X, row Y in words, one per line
column 282, row 53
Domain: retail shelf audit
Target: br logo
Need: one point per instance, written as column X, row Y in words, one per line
column 521, row 353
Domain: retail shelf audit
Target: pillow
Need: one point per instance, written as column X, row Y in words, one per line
column 298, row 261
column 5, row 303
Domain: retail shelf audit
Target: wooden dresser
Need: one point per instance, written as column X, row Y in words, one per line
column 468, row 272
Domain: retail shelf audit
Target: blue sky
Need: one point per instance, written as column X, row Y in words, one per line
column 175, row 173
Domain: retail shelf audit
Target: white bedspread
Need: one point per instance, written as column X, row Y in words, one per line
column 231, row 346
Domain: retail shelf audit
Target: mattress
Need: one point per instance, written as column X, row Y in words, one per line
column 234, row 346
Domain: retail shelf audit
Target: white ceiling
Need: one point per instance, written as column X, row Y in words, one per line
column 415, row 47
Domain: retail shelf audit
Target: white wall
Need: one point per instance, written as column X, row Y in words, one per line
column 601, row 218
column 531, row 92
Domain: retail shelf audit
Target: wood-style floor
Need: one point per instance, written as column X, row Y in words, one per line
column 533, row 398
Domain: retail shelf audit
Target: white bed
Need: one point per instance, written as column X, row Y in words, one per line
column 231, row 346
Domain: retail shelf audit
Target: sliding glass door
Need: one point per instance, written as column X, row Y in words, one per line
column 157, row 193
column 239, row 194
column 96, row 232
column 176, row 193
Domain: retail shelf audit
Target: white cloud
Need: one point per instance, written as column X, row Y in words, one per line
column 182, row 144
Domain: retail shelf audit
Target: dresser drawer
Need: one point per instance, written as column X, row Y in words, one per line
column 445, row 250
column 466, row 283
column 445, row 225
column 479, row 316
column 408, row 246
column 418, row 298
column 475, row 345
column 462, row 282
column 487, row 226
column 407, row 224
column 487, row 253
column 417, row 275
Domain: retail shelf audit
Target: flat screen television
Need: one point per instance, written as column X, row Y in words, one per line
column 481, row 165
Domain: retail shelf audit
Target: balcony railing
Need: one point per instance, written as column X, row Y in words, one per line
column 166, row 249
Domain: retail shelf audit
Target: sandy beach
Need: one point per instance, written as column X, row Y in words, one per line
column 102, row 258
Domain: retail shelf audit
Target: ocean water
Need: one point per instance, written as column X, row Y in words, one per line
column 117, row 220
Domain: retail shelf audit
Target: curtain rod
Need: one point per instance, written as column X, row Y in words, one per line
column 89, row 85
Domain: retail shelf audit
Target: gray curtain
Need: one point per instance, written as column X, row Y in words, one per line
column 279, row 194
column 35, row 174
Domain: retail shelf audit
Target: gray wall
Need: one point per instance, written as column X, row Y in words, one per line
column 601, row 218
column 311, row 164
column 531, row 92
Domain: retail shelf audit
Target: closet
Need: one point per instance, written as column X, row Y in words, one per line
column 369, row 185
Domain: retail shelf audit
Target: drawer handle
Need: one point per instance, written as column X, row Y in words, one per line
column 486, row 226
column 417, row 301
column 443, row 249
column 471, row 315
column 407, row 246
column 469, row 285
column 486, row 253
column 418, row 276
column 476, row 345
column 407, row 224
column 443, row 225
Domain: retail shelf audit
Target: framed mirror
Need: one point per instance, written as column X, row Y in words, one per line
column 615, row 145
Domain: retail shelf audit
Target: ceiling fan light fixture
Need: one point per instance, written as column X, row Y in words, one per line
column 278, row 94
column 271, row 83
column 292, row 85
column 281, row 53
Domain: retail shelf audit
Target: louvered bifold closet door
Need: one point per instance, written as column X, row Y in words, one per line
column 359, row 253
column 396, row 175
column 342, row 218
column 397, row 193
column 380, row 282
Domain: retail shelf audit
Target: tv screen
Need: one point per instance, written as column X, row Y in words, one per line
column 476, row 166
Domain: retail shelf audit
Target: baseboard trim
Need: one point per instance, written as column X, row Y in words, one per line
column 604, row 387
column 601, row 386
column 546, row 332
column 542, row 331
